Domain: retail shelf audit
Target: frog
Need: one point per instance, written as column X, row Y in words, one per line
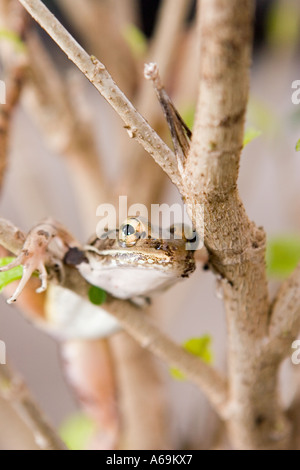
column 133, row 262
column 137, row 260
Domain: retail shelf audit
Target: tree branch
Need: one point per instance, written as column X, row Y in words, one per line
column 14, row 390
column 94, row 70
column 236, row 246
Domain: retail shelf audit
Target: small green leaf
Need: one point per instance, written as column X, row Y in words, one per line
column 76, row 431
column 298, row 146
column 176, row 374
column 200, row 347
column 283, row 255
column 12, row 275
column 11, row 36
column 188, row 115
column 97, row 295
column 250, row 134
column 136, row 40
column 262, row 117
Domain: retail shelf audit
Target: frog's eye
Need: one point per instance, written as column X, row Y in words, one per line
column 131, row 231
column 128, row 230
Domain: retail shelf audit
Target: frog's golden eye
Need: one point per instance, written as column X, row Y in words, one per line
column 131, row 231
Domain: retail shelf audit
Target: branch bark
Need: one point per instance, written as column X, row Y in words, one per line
column 236, row 246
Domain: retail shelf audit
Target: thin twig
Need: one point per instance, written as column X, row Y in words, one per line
column 14, row 390
column 94, row 70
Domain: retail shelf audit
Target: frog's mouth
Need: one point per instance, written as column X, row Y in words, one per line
column 128, row 273
column 128, row 258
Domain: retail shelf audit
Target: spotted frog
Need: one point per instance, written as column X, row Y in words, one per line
column 133, row 262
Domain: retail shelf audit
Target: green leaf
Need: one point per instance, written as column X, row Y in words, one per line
column 283, row 255
column 11, row 36
column 12, row 275
column 136, row 40
column 188, row 115
column 250, row 134
column 97, row 295
column 76, row 431
column 200, row 347
column 283, row 24
column 176, row 374
column 298, row 146
column 262, row 117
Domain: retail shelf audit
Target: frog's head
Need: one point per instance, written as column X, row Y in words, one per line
column 137, row 259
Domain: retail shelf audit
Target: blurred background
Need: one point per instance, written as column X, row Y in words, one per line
column 39, row 183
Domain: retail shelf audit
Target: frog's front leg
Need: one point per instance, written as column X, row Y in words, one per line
column 45, row 245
